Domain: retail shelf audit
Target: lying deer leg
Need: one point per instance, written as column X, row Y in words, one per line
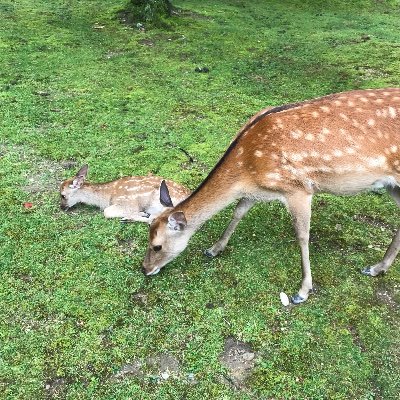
column 241, row 210
column 299, row 205
column 117, row 211
column 393, row 248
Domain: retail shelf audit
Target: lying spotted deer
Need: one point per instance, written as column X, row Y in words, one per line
column 343, row 144
column 132, row 198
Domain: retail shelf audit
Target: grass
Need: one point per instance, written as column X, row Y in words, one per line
column 78, row 86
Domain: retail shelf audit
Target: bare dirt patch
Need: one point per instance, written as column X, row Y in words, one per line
column 44, row 174
column 54, row 387
column 388, row 296
column 373, row 221
column 239, row 358
column 158, row 367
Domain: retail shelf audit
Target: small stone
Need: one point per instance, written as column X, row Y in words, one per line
column 284, row 299
column 248, row 356
column 165, row 375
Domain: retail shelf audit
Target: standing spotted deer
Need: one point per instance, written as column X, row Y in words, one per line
column 343, row 144
column 132, row 198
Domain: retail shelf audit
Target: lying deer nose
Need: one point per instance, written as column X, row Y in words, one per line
column 144, row 270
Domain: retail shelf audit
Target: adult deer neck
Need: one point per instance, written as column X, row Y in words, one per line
column 217, row 191
column 95, row 194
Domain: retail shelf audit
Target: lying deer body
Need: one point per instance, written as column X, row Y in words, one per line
column 131, row 198
column 343, row 144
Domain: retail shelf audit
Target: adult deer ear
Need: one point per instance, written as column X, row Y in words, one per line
column 79, row 177
column 177, row 221
column 165, row 198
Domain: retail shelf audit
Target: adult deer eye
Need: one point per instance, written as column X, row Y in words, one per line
column 157, row 248
column 63, row 196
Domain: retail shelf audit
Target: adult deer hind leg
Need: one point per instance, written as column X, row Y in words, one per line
column 393, row 248
column 299, row 205
column 242, row 207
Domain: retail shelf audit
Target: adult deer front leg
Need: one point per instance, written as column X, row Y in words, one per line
column 393, row 248
column 241, row 210
column 299, row 205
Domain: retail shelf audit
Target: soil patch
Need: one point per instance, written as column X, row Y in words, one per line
column 239, row 358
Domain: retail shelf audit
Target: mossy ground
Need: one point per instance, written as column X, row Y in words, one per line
column 78, row 86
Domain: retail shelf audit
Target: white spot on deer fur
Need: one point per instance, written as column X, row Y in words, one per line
column 273, row 175
column 364, row 99
column 392, row 112
column 393, row 149
column 386, row 151
column 296, row 157
column 371, row 122
column 377, row 161
column 337, row 103
column 337, row 153
column 321, row 137
column 396, row 98
column 315, row 114
column 386, row 93
column 325, row 109
column 378, row 101
column 296, row 134
column 350, row 103
column 258, row 153
column 396, row 163
column 239, row 164
column 325, row 131
column 344, row 116
column 378, row 113
column 314, row 154
column 240, row 151
column 327, row 157
column 350, row 150
column 309, row 136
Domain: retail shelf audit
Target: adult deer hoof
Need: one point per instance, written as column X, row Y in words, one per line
column 297, row 299
column 366, row 271
column 209, row 253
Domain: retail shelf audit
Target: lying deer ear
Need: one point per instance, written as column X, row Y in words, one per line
column 165, row 198
column 79, row 177
column 177, row 221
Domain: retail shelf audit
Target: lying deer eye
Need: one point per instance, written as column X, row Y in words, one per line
column 157, row 248
column 63, row 196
